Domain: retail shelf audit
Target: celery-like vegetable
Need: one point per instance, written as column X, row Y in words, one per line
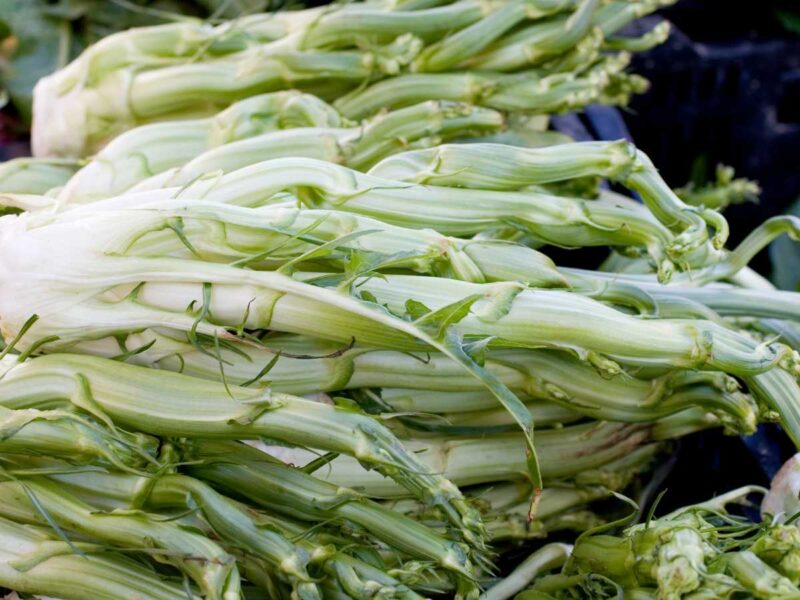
column 186, row 68
column 34, row 176
column 151, row 149
column 79, row 438
column 40, row 501
column 170, row 404
column 506, row 167
column 189, row 69
column 34, row 560
column 466, row 460
column 247, row 472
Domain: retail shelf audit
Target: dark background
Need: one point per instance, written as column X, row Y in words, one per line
column 725, row 88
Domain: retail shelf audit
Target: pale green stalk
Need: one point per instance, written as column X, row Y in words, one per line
column 647, row 41
column 80, row 439
column 171, row 404
column 563, row 506
column 789, row 331
column 226, row 519
column 563, row 453
column 34, row 175
column 34, row 560
column 16, row 203
column 535, row 373
column 683, row 423
column 758, row 578
column 242, row 527
column 551, row 219
column 42, row 502
column 734, row 262
column 647, row 296
column 779, row 391
column 81, row 119
column 737, row 302
column 535, row 43
column 147, row 303
column 339, row 25
column 363, row 581
column 415, row 4
column 512, row 314
column 133, row 293
column 736, row 410
column 223, row 297
column 495, row 420
column 516, row 528
column 506, row 506
column 360, row 579
column 579, row 58
column 460, row 46
column 531, row 91
column 695, row 287
column 539, row 41
column 244, row 236
column 544, row 559
column 151, row 149
column 503, row 167
column 722, row 192
column 750, row 279
column 328, row 27
column 432, row 383
column 629, row 264
column 357, row 147
column 495, row 166
column 570, row 523
column 512, row 499
column 175, row 43
column 267, row 482
column 479, row 260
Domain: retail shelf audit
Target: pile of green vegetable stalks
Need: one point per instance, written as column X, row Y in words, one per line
column 535, row 56
column 277, row 343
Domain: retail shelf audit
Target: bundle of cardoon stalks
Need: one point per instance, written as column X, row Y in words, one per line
column 262, row 344
column 534, row 56
column 293, row 378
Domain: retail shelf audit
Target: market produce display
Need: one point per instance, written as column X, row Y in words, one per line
column 281, row 319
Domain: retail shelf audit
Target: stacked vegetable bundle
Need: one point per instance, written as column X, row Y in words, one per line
column 375, row 306
column 536, row 56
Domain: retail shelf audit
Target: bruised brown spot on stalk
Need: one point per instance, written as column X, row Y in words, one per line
column 632, row 434
column 536, row 497
column 207, row 561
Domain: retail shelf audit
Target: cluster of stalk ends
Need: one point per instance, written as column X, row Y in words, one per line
column 721, row 548
column 280, row 319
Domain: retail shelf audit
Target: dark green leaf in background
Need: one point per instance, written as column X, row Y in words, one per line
column 32, row 46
